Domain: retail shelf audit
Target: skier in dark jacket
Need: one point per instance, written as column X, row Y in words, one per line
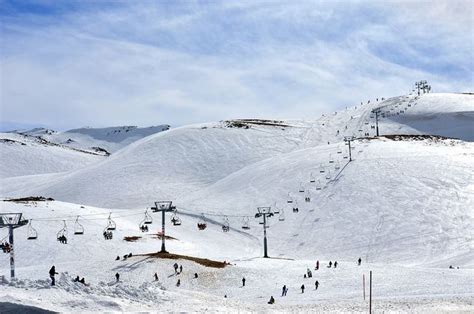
column 317, row 265
column 359, row 261
column 117, row 277
column 335, row 264
column 272, row 300
column 302, row 288
column 175, row 266
column 316, row 285
column 243, row 282
column 330, row 264
column 52, row 272
column 180, row 269
column 156, row 277
column 283, row 291
column 178, row 283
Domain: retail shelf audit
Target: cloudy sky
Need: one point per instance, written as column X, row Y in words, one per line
column 74, row 63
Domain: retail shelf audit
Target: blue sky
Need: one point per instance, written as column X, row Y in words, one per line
column 68, row 64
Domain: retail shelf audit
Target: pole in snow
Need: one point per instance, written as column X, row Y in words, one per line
column 348, row 139
column 265, row 212
column 163, row 207
column 370, row 293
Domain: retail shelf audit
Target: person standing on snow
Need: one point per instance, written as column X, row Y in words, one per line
column 117, row 277
column 180, row 269
column 302, row 288
column 317, row 265
column 335, row 264
column 359, row 261
column 330, row 264
column 243, row 282
column 283, row 291
column 175, row 266
column 156, row 277
column 52, row 272
column 272, row 300
column 316, row 285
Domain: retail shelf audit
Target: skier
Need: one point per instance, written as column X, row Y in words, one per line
column 359, row 261
column 83, row 281
column 316, row 285
column 175, row 266
column 178, row 283
column 309, row 273
column 76, row 279
column 52, row 272
column 283, row 291
column 271, row 301
column 117, row 258
column 243, row 282
column 330, row 264
column 317, row 265
column 335, row 264
column 302, row 288
column 195, row 275
column 117, row 277
column 180, row 269
column 156, row 277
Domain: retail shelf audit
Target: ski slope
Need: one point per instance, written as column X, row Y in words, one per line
column 404, row 205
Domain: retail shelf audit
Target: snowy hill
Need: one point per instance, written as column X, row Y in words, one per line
column 404, row 205
column 25, row 155
column 110, row 139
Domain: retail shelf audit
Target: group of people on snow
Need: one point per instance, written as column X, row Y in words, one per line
column 6, row 247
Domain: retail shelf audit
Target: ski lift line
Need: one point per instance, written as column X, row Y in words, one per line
column 73, row 218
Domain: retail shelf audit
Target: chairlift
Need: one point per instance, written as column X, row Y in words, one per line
column 225, row 225
column 301, row 189
column 328, row 175
column 31, row 233
column 61, row 236
column 5, row 245
column 111, row 225
column 318, row 186
column 331, row 160
column 339, row 151
column 321, row 169
column 175, row 220
column 307, row 196
column 202, row 223
column 148, row 220
column 281, row 216
column 290, row 199
column 246, row 223
column 78, row 228
column 143, row 227
column 312, row 178
column 295, row 207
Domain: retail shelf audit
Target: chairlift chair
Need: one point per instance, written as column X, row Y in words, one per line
column 202, row 223
column 246, row 223
column 337, row 166
column 175, row 219
column 148, row 220
column 281, row 215
column 301, row 189
column 331, row 160
column 318, row 186
column 225, row 225
column 111, row 225
column 78, row 228
column 321, row 169
column 328, row 175
column 311, row 178
column 61, row 236
column 290, row 199
column 295, row 207
column 32, row 234
column 307, row 196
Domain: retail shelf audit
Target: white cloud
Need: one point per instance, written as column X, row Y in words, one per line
column 147, row 64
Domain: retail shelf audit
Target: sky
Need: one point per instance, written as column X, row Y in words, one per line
column 67, row 64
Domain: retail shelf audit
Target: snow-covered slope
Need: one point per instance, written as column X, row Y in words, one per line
column 450, row 115
column 111, row 139
column 23, row 155
column 404, row 205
